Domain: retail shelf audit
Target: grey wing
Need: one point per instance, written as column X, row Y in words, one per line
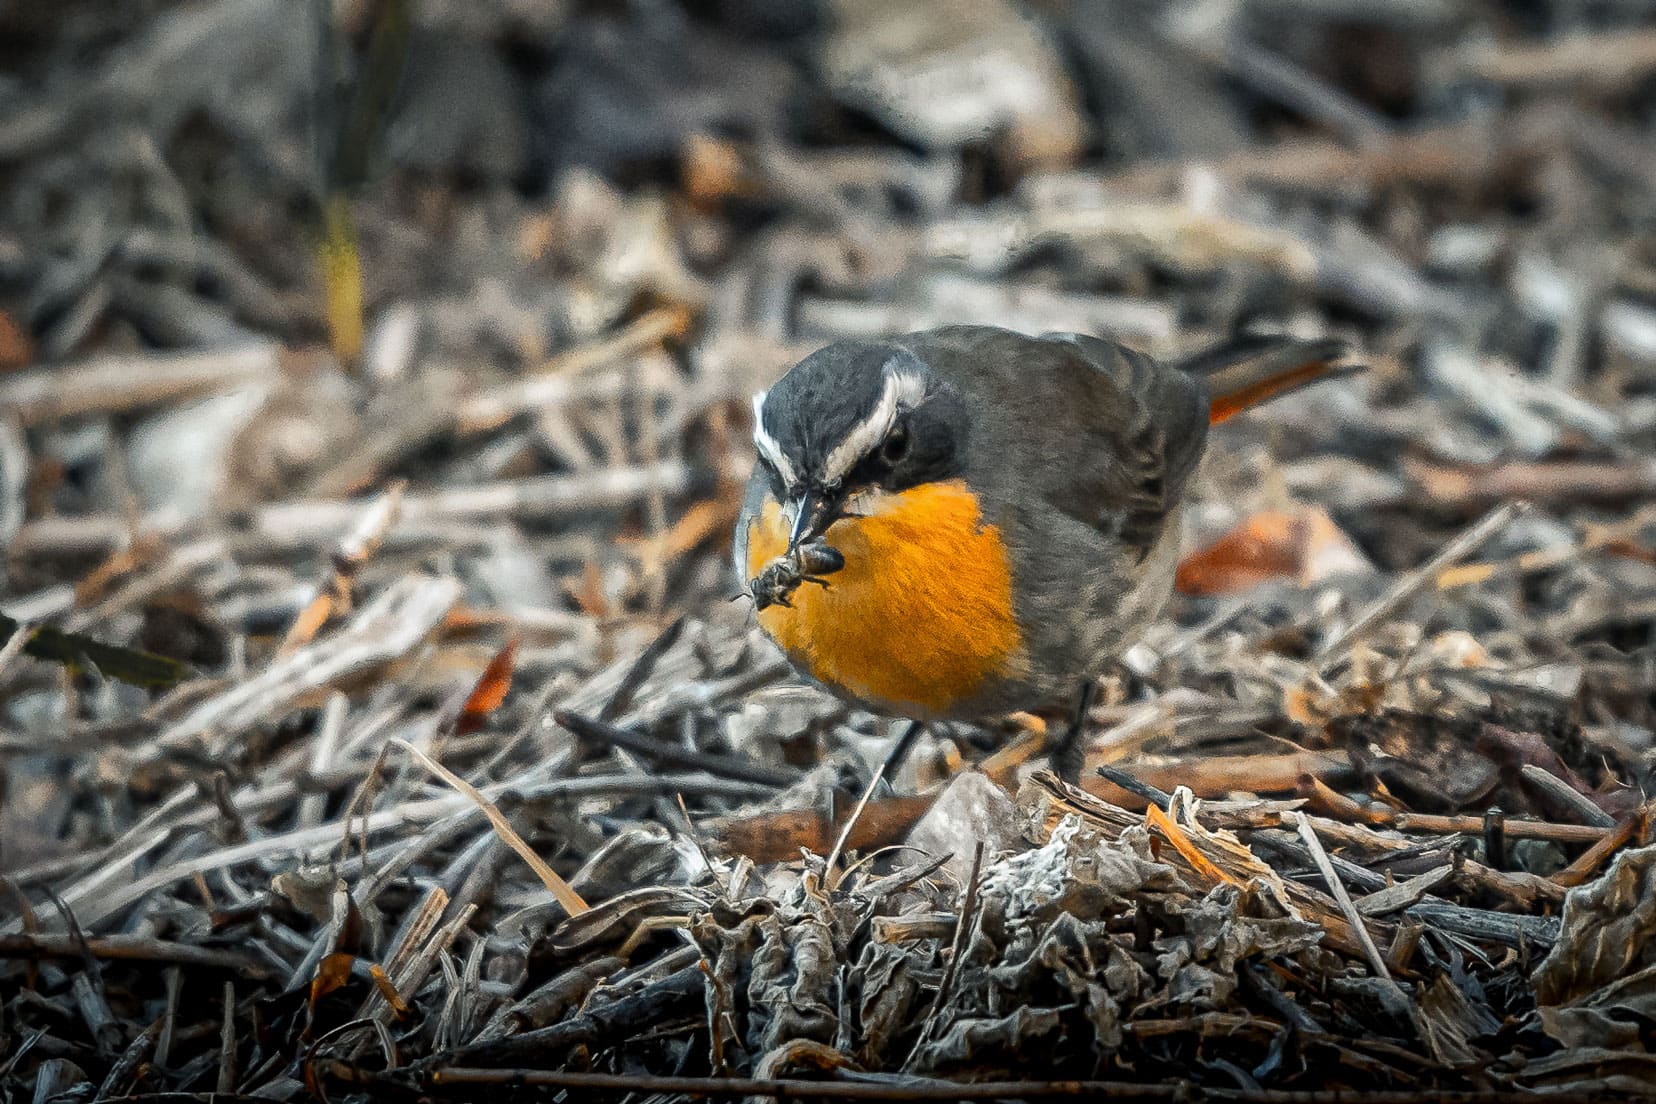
column 1113, row 434
column 1154, row 420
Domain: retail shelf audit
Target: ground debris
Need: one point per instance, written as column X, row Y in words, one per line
column 401, row 406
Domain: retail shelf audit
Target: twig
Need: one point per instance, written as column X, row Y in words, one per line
column 119, row 384
column 1130, row 783
column 1578, row 872
column 1404, row 894
column 392, row 625
column 1567, row 795
column 1359, row 926
column 567, row 897
column 131, row 948
column 724, row 766
column 1607, row 61
column 621, row 700
column 130, row 1063
column 1413, row 582
column 957, row 948
column 674, row 995
column 899, row 751
column 227, row 1040
column 335, row 595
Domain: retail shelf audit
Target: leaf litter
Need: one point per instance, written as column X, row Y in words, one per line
column 416, row 463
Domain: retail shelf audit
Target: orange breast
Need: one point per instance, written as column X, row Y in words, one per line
column 921, row 614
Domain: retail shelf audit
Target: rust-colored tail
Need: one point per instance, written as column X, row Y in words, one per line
column 1249, row 370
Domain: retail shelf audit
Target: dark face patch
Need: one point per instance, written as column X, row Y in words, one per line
column 826, row 397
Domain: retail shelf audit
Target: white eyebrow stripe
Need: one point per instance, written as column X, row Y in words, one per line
column 903, row 391
column 766, row 444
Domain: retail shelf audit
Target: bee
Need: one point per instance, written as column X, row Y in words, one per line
column 807, row 563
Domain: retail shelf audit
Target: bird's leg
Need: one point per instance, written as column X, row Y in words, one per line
column 1068, row 752
column 898, row 755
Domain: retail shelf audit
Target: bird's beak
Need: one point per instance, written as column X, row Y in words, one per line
column 814, row 512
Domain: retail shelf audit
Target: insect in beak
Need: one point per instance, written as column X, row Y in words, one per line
column 809, row 563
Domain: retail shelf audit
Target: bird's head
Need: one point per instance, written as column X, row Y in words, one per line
column 849, row 424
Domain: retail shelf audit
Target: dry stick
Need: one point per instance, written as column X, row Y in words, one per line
column 724, row 766
column 621, row 700
column 694, row 833
column 127, row 1067
column 304, row 840
column 396, row 622
column 565, row 377
column 1606, row 60
column 19, row 637
column 116, row 384
column 131, row 948
column 1404, row 894
column 1433, row 824
column 1567, row 795
column 547, row 497
column 227, row 1041
column 624, row 1017
column 899, row 751
column 1359, row 926
column 957, row 947
column 1417, row 580
column 454, row 514
column 174, row 981
column 314, row 804
column 333, row 595
column 1583, row 869
column 566, row 895
column 177, row 568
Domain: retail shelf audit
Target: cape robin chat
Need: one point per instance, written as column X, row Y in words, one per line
column 969, row 521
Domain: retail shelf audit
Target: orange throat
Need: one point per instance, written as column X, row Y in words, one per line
column 918, row 620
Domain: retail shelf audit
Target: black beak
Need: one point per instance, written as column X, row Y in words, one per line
column 814, row 512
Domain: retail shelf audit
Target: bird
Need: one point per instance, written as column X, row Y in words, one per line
column 971, row 521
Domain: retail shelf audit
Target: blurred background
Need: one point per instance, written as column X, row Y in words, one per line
column 388, row 363
column 276, row 251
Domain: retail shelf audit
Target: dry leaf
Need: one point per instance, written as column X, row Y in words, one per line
column 490, row 690
column 1305, row 546
column 16, row 350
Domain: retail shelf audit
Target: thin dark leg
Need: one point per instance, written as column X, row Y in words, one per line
column 1068, row 752
column 899, row 753
column 893, row 761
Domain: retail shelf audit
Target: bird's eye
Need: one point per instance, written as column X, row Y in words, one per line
column 896, row 444
column 778, row 485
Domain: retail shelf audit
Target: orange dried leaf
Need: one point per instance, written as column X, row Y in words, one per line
column 1262, row 547
column 142, row 552
column 1630, row 550
column 712, row 170
column 589, row 592
column 1155, row 818
column 308, row 623
column 331, row 973
column 1304, row 707
column 382, row 981
column 490, row 690
column 16, row 350
column 1305, row 546
column 1464, row 575
column 464, row 620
